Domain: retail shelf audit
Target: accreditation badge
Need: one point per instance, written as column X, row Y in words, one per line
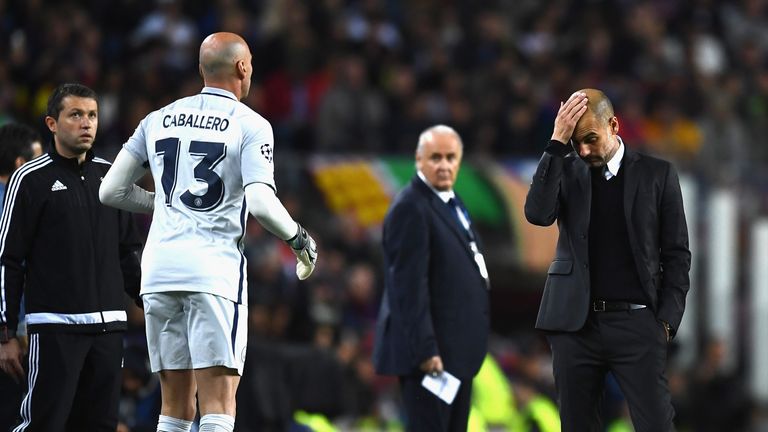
column 479, row 260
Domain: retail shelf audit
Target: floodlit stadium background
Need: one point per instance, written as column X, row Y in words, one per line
column 348, row 85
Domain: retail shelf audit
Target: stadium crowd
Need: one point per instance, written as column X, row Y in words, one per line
column 690, row 79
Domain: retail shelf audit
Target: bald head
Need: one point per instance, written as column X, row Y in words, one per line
column 599, row 104
column 225, row 62
column 430, row 133
column 595, row 136
column 220, row 52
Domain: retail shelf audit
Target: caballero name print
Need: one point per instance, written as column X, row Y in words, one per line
column 198, row 121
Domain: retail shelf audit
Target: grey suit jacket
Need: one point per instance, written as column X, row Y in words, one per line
column 653, row 207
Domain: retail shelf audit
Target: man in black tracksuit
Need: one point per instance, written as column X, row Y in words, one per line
column 72, row 257
column 19, row 144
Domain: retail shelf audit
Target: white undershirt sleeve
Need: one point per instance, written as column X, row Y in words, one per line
column 264, row 205
column 118, row 189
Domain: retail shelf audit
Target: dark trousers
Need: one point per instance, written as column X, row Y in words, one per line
column 74, row 382
column 425, row 412
column 632, row 345
column 12, row 392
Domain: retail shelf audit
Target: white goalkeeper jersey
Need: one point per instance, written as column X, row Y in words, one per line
column 202, row 151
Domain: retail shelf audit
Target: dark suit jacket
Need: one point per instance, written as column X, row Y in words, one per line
column 658, row 235
column 435, row 300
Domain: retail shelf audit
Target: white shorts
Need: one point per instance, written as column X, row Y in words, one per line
column 192, row 330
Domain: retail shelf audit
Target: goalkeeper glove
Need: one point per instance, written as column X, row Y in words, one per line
column 305, row 249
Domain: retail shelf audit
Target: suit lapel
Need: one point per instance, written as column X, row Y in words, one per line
column 444, row 212
column 584, row 182
column 631, row 183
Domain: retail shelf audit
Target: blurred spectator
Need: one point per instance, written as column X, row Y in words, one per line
column 669, row 132
column 724, row 155
column 360, row 299
column 140, row 394
column 18, row 144
column 370, row 75
column 174, row 33
column 352, row 114
column 719, row 399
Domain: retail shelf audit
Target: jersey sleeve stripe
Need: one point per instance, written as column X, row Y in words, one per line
column 10, row 199
column 243, row 220
column 3, row 308
column 13, row 188
column 234, row 326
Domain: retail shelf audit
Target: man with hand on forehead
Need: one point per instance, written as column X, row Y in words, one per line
column 615, row 291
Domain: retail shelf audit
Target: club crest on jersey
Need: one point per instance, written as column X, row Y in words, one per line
column 266, row 151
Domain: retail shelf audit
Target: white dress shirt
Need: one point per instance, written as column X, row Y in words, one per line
column 613, row 165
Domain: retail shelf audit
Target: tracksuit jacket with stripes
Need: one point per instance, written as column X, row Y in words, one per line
column 71, row 255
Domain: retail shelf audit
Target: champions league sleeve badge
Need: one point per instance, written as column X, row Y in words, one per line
column 266, row 151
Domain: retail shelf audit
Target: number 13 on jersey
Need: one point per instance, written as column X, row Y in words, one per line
column 211, row 153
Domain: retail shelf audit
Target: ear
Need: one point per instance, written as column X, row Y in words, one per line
column 18, row 162
column 51, row 123
column 614, row 123
column 241, row 69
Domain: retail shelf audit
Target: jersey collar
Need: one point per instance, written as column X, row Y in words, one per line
column 215, row 91
column 68, row 162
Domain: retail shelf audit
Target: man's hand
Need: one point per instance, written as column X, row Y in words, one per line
column 305, row 249
column 569, row 113
column 432, row 366
column 10, row 359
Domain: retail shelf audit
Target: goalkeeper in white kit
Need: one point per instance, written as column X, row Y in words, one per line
column 211, row 159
